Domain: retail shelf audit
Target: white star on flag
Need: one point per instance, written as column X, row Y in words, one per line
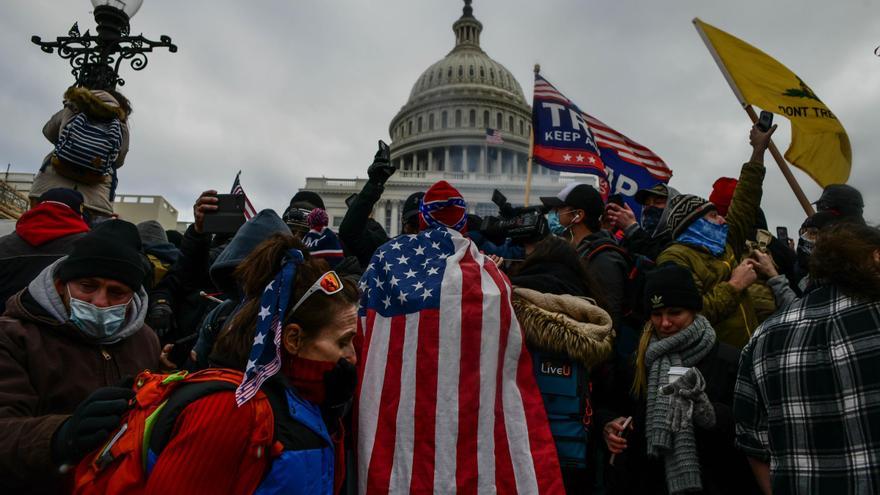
column 269, row 287
column 426, row 294
column 394, row 280
column 580, row 158
column 566, row 157
column 381, row 255
column 418, row 286
column 432, row 271
column 258, row 339
column 387, row 268
column 420, row 250
column 410, row 273
column 402, row 297
column 402, row 260
column 250, row 365
column 379, row 283
column 387, row 301
column 264, row 312
column 592, row 160
column 396, row 245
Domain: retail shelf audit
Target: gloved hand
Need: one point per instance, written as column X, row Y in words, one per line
column 160, row 318
column 90, row 424
column 690, row 404
column 339, row 385
column 381, row 168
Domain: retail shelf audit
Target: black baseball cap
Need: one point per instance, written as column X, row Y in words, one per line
column 842, row 198
column 579, row 196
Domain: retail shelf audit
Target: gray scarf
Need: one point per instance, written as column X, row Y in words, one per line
column 677, row 448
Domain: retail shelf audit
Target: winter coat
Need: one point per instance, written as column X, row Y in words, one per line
column 609, row 269
column 360, row 235
column 95, row 102
column 730, row 312
column 724, row 469
column 48, row 367
column 639, row 241
column 42, row 235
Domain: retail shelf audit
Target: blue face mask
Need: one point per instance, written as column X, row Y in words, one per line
column 97, row 323
column 651, row 218
column 707, row 234
column 556, row 228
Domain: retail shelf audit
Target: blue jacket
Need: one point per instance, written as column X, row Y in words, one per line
column 307, row 462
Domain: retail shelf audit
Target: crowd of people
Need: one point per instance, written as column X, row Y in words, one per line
column 686, row 350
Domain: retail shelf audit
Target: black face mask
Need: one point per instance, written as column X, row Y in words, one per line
column 651, row 218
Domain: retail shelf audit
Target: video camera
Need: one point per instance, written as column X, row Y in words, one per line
column 519, row 224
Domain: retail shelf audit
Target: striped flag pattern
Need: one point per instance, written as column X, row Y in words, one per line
column 628, row 150
column 447, row 401
column 249, row 210
column 493, row 136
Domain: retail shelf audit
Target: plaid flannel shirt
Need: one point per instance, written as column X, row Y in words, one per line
column 807, row 396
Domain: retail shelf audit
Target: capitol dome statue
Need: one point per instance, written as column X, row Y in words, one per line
column 441, row 132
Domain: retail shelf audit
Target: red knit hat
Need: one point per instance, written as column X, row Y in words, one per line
column 722, row 194
column 443, row 205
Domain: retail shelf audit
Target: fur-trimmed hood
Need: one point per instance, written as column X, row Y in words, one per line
column 97, row 104
column 565, row 324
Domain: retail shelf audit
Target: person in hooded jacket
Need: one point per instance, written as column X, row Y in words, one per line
column 43, row 234
column 66, row 342
column 712, row 247
column 563, row 330
column 96, row 103
column 678, row 392
column 161, row 253
column 647, row 236
column 309, row 381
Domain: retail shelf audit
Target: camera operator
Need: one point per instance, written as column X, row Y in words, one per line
column 360, row 234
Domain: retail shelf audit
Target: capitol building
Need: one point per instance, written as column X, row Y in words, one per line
column 440, row 134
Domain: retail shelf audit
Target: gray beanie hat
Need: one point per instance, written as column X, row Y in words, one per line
column 152, row 233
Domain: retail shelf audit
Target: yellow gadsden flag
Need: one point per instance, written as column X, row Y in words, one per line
column 819, row 144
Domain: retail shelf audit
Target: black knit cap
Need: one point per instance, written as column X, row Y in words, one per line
column 111, row 250
column 411, row 207
column 685, row 209
column 309, row 197
column 671, row 286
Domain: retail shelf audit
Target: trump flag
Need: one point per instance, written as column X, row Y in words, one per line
column 447, row 399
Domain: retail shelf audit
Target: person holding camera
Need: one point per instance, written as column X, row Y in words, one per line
column 359, row 233
column 666, row 415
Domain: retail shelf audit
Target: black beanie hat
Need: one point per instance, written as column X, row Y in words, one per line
column 671, row 286
column 309, row 197
column 111, row 250
column 411, row 207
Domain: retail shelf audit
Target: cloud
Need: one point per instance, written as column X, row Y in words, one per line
column 285, row 90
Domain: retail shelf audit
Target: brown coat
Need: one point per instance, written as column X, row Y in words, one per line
column 46, row 369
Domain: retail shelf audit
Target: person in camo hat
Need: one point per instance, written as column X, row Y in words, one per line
column 711, row 247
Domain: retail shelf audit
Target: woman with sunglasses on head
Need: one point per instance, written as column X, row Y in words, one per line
column 222, row 442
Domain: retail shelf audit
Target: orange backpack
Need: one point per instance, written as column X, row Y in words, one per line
column 120, row 466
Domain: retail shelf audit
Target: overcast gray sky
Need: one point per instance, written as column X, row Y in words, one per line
column 287, row 89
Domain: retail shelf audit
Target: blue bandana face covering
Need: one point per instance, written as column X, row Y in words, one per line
column 707, row 234
column 651, row 218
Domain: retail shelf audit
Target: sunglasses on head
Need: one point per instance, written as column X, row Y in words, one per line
column 328, row 283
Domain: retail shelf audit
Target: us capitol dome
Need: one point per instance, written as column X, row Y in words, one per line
column 440, row 133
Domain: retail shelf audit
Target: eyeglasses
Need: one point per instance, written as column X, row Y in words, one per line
column 329, row 283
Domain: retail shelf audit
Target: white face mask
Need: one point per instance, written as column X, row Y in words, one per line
column 97, row 323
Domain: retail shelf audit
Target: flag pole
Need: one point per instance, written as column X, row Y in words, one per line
column 774, row 151
column 531, row 150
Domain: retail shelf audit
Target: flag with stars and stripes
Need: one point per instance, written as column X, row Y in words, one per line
column 447, row 401
column 237, row 190
column 264, row 359
column 562, row 139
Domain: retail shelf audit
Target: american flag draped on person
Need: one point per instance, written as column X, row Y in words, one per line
column 447, row 400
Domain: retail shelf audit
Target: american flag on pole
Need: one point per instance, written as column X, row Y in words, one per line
column 562, row 139
column 493, row 136
column 447, row 399
column 249, row 211
column 630, row 166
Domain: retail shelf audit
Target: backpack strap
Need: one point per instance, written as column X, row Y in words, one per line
column 186, row 394
column 591, row 253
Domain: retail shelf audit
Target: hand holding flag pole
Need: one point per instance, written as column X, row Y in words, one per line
column 820, row 146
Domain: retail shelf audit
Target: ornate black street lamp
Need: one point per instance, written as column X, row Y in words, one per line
column 95, row 59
